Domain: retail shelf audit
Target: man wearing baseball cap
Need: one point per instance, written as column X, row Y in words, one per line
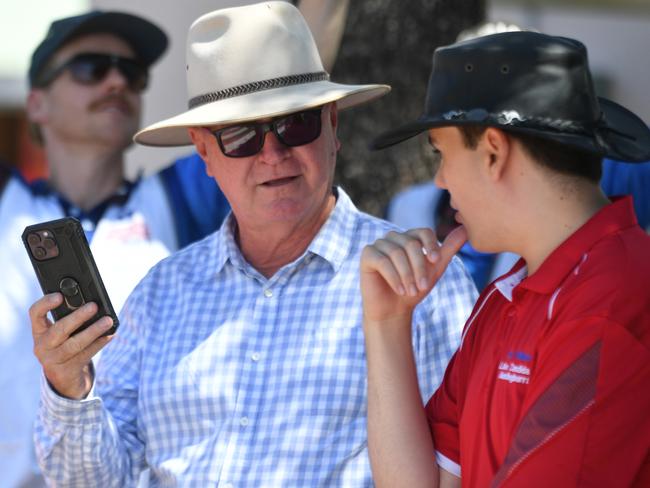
column 86, row 82
column 550, row 384
column 239, row 361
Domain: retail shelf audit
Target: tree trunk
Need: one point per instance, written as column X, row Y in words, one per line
column 392, row 42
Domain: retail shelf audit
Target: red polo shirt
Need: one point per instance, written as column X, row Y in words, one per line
column 551, row 384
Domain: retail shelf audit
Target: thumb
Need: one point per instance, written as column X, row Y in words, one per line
column 452, row 244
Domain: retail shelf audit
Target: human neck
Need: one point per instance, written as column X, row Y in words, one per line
column 269, row 247
column 84, row 175
column 559, row 214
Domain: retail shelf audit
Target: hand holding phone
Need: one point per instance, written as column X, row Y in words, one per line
column 63, row 263
column 76, row 298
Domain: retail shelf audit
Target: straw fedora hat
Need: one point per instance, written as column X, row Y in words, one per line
column 249, row 63
column 526, row 82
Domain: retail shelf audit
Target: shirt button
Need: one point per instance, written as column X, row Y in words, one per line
column 228, row 485
column 243, row 421
column 255, row 356
column 268, row 293
column 512, row 312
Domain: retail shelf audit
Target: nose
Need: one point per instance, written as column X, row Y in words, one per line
column 273, row 151
column 115, row 80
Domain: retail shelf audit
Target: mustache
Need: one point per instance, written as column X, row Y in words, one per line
column 113, row 98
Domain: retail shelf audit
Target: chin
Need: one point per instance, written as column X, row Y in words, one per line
column 476, row 242
column 286, row 214
column 119, row 138
column 481, row 245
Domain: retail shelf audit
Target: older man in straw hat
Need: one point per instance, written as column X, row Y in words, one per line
column 550, row 384
column 240, row 361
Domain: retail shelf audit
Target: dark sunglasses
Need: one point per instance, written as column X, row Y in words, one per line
column 92, row 68
column 297, row 129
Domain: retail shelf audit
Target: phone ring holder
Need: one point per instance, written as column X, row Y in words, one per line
column 71, row 293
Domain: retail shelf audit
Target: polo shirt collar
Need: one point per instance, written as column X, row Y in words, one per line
column 90, row 218
column 509, row 282
column 609, row 220
column 332, row 243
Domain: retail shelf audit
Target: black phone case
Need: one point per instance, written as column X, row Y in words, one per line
column 68, row 268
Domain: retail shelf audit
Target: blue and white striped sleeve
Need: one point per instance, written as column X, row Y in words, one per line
column 94, row 442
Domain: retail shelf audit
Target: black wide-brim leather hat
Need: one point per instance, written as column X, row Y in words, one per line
column 146, row 39
column 526, row 82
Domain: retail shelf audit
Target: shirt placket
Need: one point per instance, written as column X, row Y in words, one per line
column 242, row 447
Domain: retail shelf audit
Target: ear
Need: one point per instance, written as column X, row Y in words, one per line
column 198, row 136
column 498, row 147
column 334, row 120
column 36, row 106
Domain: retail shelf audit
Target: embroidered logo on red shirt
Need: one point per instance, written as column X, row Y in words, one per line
column 513, row 370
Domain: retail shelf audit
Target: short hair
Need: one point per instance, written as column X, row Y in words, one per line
column 560, row 158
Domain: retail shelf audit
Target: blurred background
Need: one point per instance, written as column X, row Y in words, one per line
column 381, row 41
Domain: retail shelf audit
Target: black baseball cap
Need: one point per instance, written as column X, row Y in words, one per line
column 146, row 39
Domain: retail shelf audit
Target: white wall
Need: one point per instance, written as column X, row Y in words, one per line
column 23, row 25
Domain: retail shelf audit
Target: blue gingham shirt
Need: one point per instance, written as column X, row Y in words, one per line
column 220, row 376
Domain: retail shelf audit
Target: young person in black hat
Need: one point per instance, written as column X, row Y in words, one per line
column 425, row 205
column 550, row 384
column 86, row 81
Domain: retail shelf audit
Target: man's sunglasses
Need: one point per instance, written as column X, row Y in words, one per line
column 297, row 129
column 92, row 68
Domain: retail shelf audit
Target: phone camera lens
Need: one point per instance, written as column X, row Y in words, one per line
column 40, row 252
column 49, row 243
column 33, row 239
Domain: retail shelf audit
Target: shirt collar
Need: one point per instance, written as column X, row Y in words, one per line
column 226, row 248
column 42, row 188
column 611, row 219
column 509, row 282
column 332, row 243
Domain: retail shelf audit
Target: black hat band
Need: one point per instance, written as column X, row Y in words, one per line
column 256, row 86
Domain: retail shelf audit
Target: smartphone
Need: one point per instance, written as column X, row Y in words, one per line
column 61, row 257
